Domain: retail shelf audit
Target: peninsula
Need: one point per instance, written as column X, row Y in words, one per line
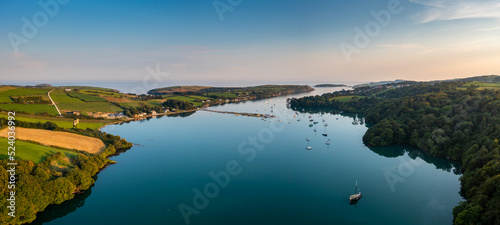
column 330, row 85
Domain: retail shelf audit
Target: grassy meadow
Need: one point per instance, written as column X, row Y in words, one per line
column 482, row 85
column 60, row 121
column 32, row 151
column 346, row 98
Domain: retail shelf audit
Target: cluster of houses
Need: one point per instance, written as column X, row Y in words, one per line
column 73, row 113
column 121, row 115
column 116, row 116
column 153, row 113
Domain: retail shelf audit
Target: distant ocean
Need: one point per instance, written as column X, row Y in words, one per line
column 140, row 87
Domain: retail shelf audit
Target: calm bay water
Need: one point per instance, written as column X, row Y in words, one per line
column 282, row 184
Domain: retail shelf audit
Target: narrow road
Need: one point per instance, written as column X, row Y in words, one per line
column 53, row 103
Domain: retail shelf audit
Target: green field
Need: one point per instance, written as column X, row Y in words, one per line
column 101, row 92
column 88, row 88
column 155, row 102
column 61, row 122
column 225, row 94
column 346, row 98
column 26, row 91
column 86, row 98
column 136, row 103
column 6, row 88
column 44, row 97
column 5, row 99
column 29, row 108
column 89, row 107
column 130, row 104
column 482, row 85
column 63, row 101
column 182, row 98
column 6, row 92
column 59, row 96
column 203, row 98
column 66, row 102
column 30, row 151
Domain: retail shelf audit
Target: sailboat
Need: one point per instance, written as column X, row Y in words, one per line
column 356, row 196
column 308, row 148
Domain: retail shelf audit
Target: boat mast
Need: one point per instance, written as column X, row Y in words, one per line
column 356, row 187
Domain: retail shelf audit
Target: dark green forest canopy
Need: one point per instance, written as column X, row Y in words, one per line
column 443, row 118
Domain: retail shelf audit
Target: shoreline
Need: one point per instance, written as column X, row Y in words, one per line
column 204, row 108
column 148, row 116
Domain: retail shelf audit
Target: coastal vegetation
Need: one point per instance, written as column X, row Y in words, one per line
column 456, row 119
column 50, row 174
column 34, row 151
column 330, row 85
column 232, row 93
column 178, row 104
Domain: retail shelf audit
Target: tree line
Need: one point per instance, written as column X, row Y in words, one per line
column 30, row 100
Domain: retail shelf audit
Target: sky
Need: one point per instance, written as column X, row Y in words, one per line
column 248, row 41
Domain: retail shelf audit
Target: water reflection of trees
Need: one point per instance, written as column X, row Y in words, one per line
column 183, row 115
column 392, row 151
column 53, row 212
column 413, row 153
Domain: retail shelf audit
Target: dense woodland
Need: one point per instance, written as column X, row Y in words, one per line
column 177, row 104
column 440, row 118
column 41, row 184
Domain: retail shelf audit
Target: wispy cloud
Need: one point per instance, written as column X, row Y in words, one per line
column 488, row 29
column 193, row 49
column 457, row 9
column 22, row 61
column 465, row 47
column 400, row 46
